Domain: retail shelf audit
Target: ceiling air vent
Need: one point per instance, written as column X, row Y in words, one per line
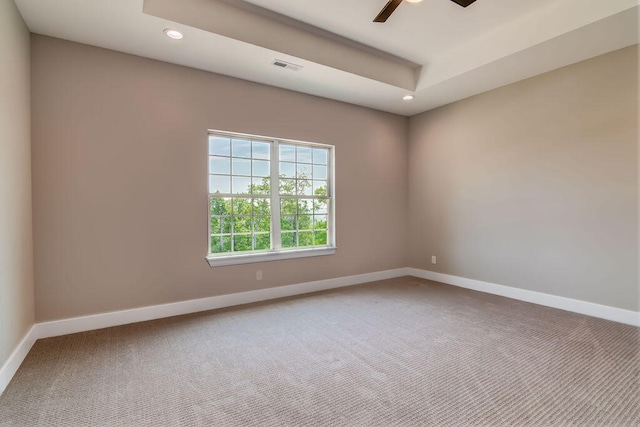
column 287, row 65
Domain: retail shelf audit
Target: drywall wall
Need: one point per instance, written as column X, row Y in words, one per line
column 16, row 249
column 534, row 185
column 120, row 180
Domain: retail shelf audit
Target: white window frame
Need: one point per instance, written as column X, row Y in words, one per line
column 277, row 252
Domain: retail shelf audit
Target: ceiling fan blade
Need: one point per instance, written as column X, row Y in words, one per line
column 463, row 3
column 386, row 11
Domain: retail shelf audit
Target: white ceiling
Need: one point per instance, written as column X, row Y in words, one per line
column 435, row 49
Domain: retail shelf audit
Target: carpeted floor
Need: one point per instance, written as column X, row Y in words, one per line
column 400, row 352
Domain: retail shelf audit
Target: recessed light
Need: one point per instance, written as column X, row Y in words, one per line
column 414, row 1
column 408, row 97
column 173, row 34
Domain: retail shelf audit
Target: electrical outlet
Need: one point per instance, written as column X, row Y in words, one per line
column 433, row 259
column 259, row 275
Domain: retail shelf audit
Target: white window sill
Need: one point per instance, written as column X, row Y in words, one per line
column 219, row 261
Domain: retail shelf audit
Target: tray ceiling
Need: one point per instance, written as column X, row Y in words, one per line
column 434, row 49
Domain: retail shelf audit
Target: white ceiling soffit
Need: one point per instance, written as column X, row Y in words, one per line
column 260, row 27
column 575, row 46
column 558, row 19
column 449, row 52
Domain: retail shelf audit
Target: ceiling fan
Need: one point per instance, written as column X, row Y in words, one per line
column 386, row 11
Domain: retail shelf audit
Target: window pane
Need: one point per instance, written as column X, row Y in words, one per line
column 219, row 146
column 320, row 238
column 227, row 223
column 320, row 156
column 241, row 185
column 220, row 224
column 319, row 188
column 320, row 206
column 288, row 186
column 220, row 206
column 287, row 170
column 261, row 207
column 319, row 172
column 242, row 167
column 241, row 148
column 241, row 224
column 304, row 222
column 304, row 187
column 287, row 153
column 221, row 165
column 261, row 186
column 320, row 222
column 305, row 238
column 242, row 243
column 304, row 154
column 261, row 168
column 305, row 206
column 289, row 240
column 220, row 244
column 288, row 222
column 215, row 225
column 261, row 224
column 261, row 150
column 263, row 241
column 303, row 171
column 288, row 206
column 242, row 206
column 219, row 184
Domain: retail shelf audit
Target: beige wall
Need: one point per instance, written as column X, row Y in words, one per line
column 16, row 250
column 120, row 187
column 534, row 185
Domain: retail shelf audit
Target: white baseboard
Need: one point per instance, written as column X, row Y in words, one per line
column 591, row 309
column 123, row 317
column 10, row 367
column 116, row 318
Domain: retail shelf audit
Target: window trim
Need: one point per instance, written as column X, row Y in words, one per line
column 254, row 257
column 277, row 253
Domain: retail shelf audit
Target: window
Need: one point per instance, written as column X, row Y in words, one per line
column 268, row 199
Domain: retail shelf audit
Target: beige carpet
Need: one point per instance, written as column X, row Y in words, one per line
column 395, row 353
